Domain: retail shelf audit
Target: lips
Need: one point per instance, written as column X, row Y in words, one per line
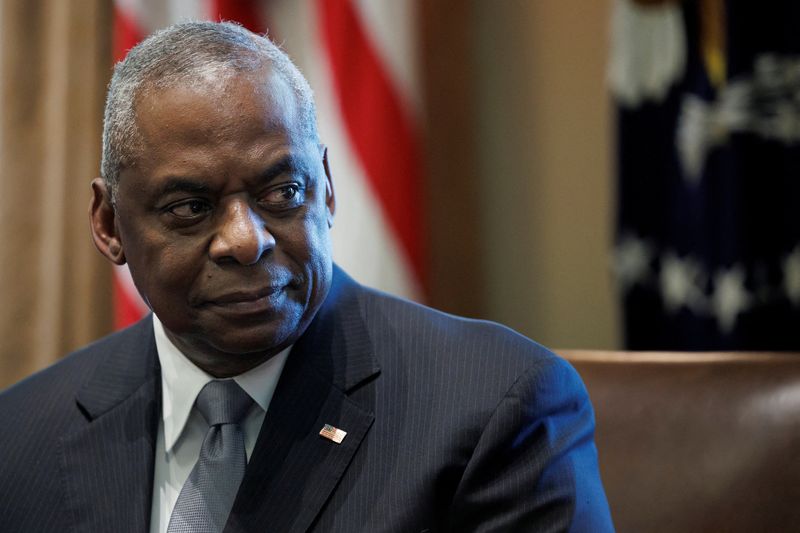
column 248, row 301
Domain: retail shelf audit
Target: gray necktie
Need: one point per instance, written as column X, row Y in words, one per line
column 207, row 496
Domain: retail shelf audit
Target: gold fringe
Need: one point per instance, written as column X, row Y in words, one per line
column 712, row 40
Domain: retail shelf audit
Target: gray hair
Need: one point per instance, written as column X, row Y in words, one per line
column 180, row 54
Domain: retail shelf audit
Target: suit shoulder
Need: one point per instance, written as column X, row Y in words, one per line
column 448, row 338
column 62, row 379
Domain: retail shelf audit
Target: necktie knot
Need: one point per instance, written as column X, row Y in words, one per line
column 223, row 402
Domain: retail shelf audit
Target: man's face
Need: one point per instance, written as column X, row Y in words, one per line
column 224, row 219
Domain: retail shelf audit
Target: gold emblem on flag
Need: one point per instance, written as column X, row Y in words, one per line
column 332, row 433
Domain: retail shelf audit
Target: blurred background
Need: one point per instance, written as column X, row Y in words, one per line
column 608, row 174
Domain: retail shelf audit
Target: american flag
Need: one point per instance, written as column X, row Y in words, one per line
column 332, row 433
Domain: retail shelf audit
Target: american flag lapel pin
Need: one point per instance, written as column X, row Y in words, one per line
column 332, row 433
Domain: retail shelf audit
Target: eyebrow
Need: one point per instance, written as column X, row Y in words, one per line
column 287, row 163
column 188, row 185
column 183, row 185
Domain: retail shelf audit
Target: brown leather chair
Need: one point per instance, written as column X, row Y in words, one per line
column 692, row 442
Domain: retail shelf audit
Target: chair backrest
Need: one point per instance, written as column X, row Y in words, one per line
column 692, row 442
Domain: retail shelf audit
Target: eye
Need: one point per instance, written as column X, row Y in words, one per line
column 190, row 209
column 287, row 195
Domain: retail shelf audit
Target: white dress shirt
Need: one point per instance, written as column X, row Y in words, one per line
column 182, row 428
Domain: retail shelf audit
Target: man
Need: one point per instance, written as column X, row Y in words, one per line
column 354, row 410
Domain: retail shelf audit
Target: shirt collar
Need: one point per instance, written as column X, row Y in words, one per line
column 182, row 381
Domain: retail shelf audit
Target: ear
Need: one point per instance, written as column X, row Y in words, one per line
column 330, row 197
column 103, row 221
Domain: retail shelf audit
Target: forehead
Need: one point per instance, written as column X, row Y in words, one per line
column 207, row 108
column 235, row 126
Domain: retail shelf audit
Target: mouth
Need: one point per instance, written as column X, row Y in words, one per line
column 248, row 301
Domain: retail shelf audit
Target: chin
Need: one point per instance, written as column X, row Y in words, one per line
column 250, row 345
column 258, row 342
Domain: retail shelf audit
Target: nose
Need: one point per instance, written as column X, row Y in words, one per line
column 241, row 235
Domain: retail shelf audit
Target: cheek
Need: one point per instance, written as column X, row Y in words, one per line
column 319, row 263
column 317, row 240
column 165, row 272
column 306, row 244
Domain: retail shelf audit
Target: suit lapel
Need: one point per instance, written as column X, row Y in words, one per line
column 293, row 469
column 107, row 465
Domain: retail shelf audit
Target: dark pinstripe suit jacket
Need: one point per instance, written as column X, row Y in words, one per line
column 452, row 425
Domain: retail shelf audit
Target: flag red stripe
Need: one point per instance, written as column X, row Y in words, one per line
column 245, row 12
column 126, row 310
column 380, row 129
column 126, row 34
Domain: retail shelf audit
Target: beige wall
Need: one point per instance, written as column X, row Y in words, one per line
column 544, row 155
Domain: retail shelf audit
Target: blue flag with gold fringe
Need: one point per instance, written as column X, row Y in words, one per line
column 707, row 254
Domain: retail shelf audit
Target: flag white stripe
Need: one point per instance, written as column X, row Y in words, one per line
column 392, row 29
